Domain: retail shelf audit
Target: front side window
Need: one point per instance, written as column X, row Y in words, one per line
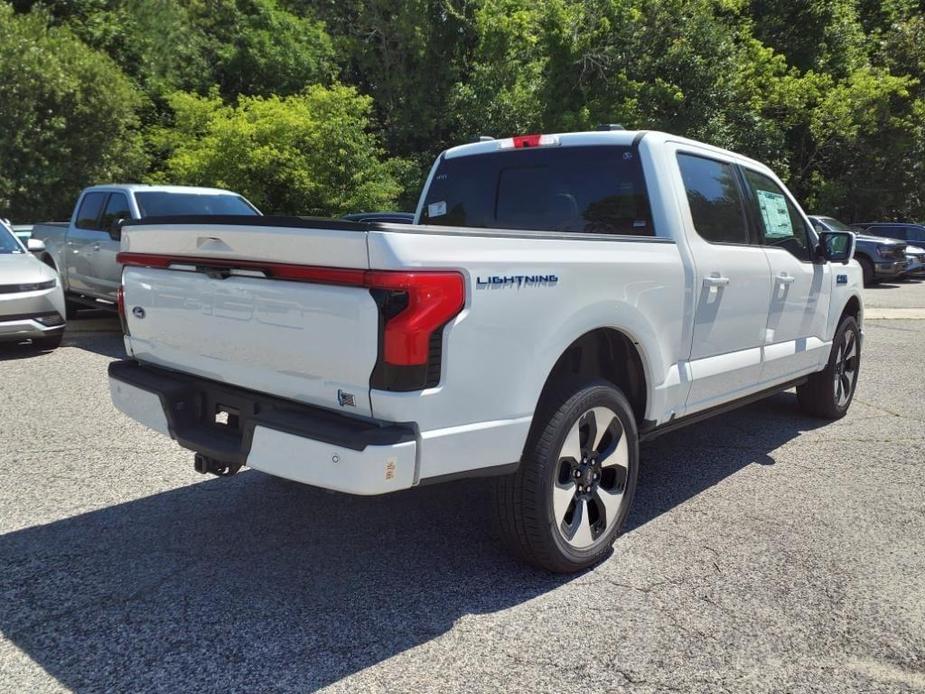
column 88, row 217
column 714, row 198
column 116, row 208
column 592, row 190
column 779, row 221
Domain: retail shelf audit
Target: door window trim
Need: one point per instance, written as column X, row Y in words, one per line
column 749, row 232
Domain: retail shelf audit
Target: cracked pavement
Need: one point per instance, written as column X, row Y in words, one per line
column 766, row 552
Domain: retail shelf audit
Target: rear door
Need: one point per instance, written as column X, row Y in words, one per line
column 107, row 273
column 83, row 236
column 800, row 288
column 732, row 281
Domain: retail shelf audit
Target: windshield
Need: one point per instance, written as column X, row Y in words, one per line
column 598, row 190
column 164, row 204
column 835, row 225
column 8, row 243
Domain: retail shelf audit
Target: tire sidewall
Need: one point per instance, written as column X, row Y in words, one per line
column 597, row 394
column 848, row 322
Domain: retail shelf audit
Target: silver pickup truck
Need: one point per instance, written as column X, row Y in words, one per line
column 83, row 250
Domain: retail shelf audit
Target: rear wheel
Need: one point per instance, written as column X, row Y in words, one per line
column 565, row 505
column 867, row 270
column 829, row 393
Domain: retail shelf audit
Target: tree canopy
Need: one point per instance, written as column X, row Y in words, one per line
column 325, row 107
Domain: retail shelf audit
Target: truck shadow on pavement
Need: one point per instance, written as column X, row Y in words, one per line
column 254, row 583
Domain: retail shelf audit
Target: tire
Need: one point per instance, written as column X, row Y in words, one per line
column 546, row 516
column 48, row 343
column 823, row 396
column 867, row 270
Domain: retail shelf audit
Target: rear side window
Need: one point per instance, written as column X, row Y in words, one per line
column 715, row 199
column 596, row 190
column 88, row 216
column 779, row 221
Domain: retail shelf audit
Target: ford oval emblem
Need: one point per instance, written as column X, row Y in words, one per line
column 138, row 312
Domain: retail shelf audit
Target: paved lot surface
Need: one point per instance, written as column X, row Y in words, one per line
column 766, row 552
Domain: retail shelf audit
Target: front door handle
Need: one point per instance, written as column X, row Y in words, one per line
column 784, row 278
column 715, row 281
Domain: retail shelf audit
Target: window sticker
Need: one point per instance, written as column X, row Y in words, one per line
column 776, row 217
column 436, row 209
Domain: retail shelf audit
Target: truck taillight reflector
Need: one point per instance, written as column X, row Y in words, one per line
column 434, row 298
column 120, row 307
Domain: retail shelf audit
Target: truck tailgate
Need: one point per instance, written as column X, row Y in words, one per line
column 210, row 300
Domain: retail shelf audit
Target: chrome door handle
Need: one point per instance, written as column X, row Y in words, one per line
column 96, row 246
column 715, row 281
column 786, row 279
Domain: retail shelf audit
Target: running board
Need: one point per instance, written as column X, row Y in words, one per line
column 650, row 431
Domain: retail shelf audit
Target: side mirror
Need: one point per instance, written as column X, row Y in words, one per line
column 836, row 246
column 35, row 245
column 115, row 229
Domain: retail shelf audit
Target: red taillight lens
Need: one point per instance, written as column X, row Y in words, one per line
column 120, row 307
column 527, row 141
column 433, row 299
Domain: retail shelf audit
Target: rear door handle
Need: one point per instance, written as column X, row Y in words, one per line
column 784, row 278
column 715, row 281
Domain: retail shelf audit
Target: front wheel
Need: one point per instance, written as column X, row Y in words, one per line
column 565, row 505
column 829, row 393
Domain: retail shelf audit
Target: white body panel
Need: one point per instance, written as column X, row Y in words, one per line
column 700, row 345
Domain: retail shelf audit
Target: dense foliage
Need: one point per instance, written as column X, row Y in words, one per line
column 326, row 106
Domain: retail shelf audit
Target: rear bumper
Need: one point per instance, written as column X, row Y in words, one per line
column 280, row 437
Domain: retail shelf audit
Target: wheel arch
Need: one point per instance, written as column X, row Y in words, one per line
column 605, row 353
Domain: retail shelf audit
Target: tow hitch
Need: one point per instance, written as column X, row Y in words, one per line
column 204, row 464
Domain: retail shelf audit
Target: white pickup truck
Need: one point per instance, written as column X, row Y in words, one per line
column 560, row 299
column 83, row 250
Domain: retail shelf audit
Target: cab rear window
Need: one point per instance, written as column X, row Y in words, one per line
column 597, row 190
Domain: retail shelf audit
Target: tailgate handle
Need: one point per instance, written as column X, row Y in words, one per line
column 211, row 243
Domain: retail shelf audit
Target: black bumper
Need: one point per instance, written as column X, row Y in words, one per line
column 191, row 404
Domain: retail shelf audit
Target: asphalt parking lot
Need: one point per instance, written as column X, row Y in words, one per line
column 766, row 552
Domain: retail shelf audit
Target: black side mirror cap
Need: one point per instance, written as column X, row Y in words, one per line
column 836, row 246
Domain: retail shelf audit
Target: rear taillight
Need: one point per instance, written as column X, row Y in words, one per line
column 413, row 309
column 120, row 306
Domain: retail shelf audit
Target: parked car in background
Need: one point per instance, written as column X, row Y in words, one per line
column 561, row 298
column 880, row 258
column 83, row 250
column 915, row 257
column 384, row 217
column 31, row 298
column 22, row 231
column 910, row 232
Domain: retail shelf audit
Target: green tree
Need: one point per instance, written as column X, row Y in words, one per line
column 305, row 154
column 68, row 118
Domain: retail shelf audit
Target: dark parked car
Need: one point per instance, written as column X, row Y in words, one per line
column 913, row 233
column 389, row 217
column 880, row 258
